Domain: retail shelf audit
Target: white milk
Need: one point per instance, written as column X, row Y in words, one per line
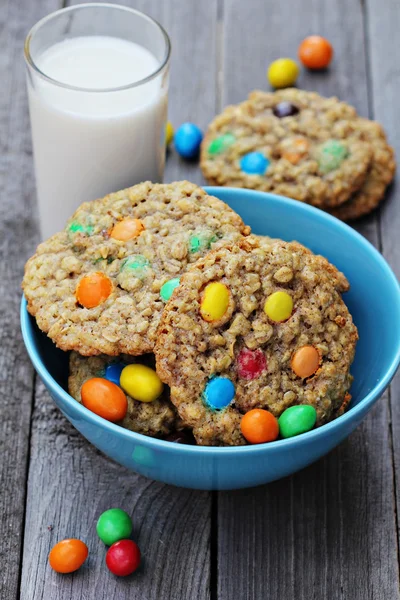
column 89, row 143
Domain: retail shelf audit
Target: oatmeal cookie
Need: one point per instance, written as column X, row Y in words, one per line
column 98, row 286
column 290, row 142
column 157, row 418
column 238, row 320
column 379, row 176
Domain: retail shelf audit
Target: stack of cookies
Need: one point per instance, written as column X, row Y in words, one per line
column 166, row 301
column 301, row 145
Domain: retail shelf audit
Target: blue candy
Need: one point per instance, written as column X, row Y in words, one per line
column 113, row 372
column 219, row 393
column 187, row 140
column 254, row 163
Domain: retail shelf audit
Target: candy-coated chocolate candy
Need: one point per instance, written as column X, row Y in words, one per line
column 93, row 289
column 305, row 361
column 181, row 437
column 138, row 264
column 296, row 420
column 251, row 363
column 201, row 241
column 123, row 558
column 169, row 133
column 278, row 306
column 127, row 229
column 331, row 155
column 315, row 52
column 219, row 393
column 114, row 525
column 215, row 301
column 259, row 426
column 221, row 143
column 168, row 288
column 141, row 383
column 295, row 149
column 285, row 109
column 113, row 372
column 68, row 555
column 76, row 227
column 283, row 73
column 104, row 398
column 187, row 140
column 254, row 163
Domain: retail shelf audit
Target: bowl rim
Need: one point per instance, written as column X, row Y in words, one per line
column 289, row 443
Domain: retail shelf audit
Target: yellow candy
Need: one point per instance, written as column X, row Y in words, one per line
column 169, row 133
column 141, row 383
column 215, row 301
column 278, row 306
column 282, row 73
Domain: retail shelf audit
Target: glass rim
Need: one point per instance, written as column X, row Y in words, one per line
column 33, row 31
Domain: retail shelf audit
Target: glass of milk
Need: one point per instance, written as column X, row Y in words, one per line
column 97, row 77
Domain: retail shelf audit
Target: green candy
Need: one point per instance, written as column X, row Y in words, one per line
column 221, row 143
column 331, row 155
column 136, row 263
column 201, row 241
column 296, row 420
column 168, row 288
column 76, row 227
column 114, row 525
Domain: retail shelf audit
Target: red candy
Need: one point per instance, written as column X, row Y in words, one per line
column 123, row 558
column 251, row 363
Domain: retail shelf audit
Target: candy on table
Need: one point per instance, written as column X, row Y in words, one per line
column 285, row 109
column 296, row 420
column 187, row 140
column 215, row 301
column 331, row 155
column 127, row 229
column 251, row 363
column 219, row 393
column 282, row 73
column 221, row 143
column 305, row 361
column 114, row 525
column 113, row 372
column 254, row 163
column 123, row 558
column 141, row 383
column 169, row 133
column 93, row 289
column 278, row 306
column 168, row 287
column 104, row 398
column 315, row 52
column 68, row 555
column 259, row 426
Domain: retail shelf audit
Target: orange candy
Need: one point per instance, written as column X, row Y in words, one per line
column 68, row 556
column 315, row 52
column 259, row 426
column 93, row 289
column 305, row 361
column 298, row 148
column 127, row 229
column 104, row 398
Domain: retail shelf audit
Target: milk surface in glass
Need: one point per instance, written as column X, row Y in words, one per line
column 88, row 142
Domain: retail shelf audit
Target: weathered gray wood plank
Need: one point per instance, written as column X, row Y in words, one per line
column 330, row 531
column 17, row 239
column 382, row 32
column 70, row 483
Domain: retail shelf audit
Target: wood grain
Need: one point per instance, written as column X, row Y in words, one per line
column 329, row 531
column 382, row 29
column 70, row 483
column 17, row 240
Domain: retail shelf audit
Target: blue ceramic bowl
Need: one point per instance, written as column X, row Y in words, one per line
column 374, row 301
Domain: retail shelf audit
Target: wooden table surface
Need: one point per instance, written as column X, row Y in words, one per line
column 328, row 532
